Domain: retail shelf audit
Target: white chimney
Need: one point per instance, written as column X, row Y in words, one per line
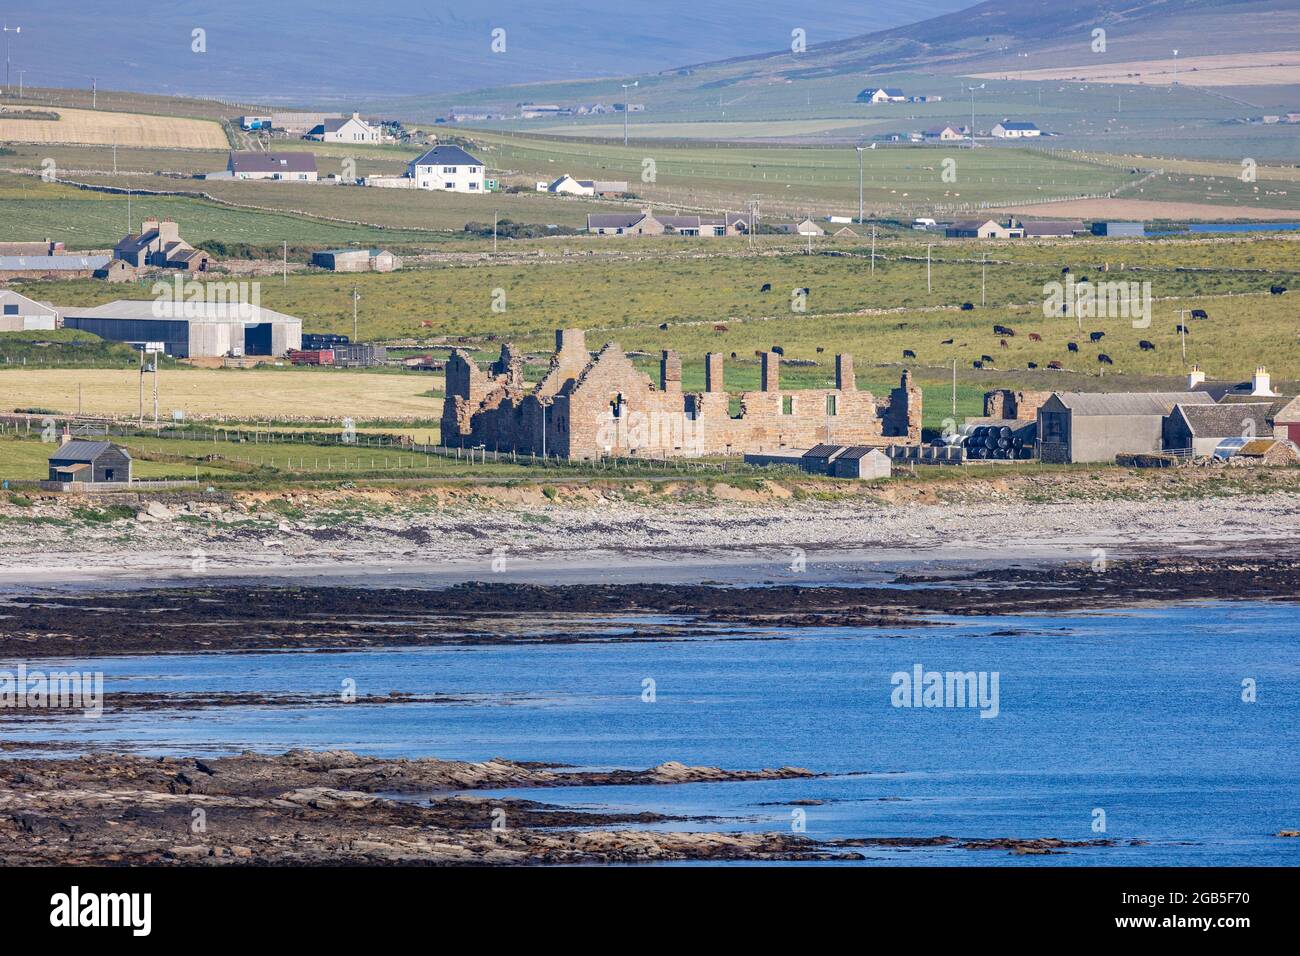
column 1195, row 377
column 1261, row 384
column 65, row 437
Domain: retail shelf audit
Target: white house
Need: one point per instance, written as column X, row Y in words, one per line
column 447, row 168
column 1009, row 130
column 351, row 129
column 570, row 186
column 882, row 94
column 21, row 314
column 947, row 134
column 292, row 167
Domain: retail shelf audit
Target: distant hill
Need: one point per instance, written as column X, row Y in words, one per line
column 332, row 50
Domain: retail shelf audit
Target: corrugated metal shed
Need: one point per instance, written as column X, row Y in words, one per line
column 82, row 451
column 1129, row 403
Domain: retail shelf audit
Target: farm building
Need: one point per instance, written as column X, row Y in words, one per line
column 1009, row 129
column 351, row 129
column 190, row 329
column 89, row 462
column 298, row 124
column 286, row 167
column 356, row 260
column 50, row 247
column 1264, row 451
column 21, row 314
column 982, row 229
column 1199, row 429
column 1097, row 426
column 946, row 134
column 1119, row 230
column 447, row 168
column 567, row 185
column 882, row 94
column 805, row 227
column 159, row 244
column 53, row 267
column 1053, row 228
column 1286, row 421
column 646, row 223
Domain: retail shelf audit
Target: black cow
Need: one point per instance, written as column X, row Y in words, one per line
column 946, row 342
column 1055, row 365
column 1072, row 346
column 1000, row 330
column 967, row 306
column 977, row 364
column 1033, row 365
column 663, row 326
column 987, row 358
column 1182, row 329
column 1276, row 289
column 806, row 291
column 1200, row 314
column 820, row 350
column 767, row 287
column 1096, row 336
column 778, row 350
column 1146, row 346
column 908, row 353
column 1104, row 359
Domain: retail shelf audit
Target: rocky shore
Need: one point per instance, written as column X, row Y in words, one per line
column 339, row 808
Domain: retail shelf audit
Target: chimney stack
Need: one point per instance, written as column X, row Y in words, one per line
column 769, row 371
column 713, row 372
column 1261, row 384
column 844, row 379
column 670, row 372
column 1195, row 377
column 65, row 437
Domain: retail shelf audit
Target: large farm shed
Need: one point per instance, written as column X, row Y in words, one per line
column 1092, row 426
column 191, row 329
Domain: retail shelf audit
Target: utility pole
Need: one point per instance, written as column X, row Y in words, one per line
column 972, row 112
column 141, row 418
column 928, row 287
column 873, row 248
column 1175, row 83
column 984, row 269
column 285, row 273
column 355, row 298
column 954, row 389
column 20, row 82
column 494, row 232
column 859, row 184
column 94, row 93
column 15, row 31
column 627, row 107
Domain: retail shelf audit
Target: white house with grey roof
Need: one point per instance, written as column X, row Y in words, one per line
column 287, row 167
column 447, row 169
column 349, row 129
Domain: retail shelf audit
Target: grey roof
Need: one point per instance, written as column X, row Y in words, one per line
column 1129, row 403
column 613, row 220
column 1275, row 404
column 51, row 263
column 161, row 310
column 1008, row 124
column 446, row 156
column 858, row 451
column 1053, row 227
column 82, row 451
column 1225, row 421
column 825, row 451
column 273, row 162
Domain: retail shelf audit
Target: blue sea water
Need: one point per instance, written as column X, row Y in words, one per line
column 1137, row 713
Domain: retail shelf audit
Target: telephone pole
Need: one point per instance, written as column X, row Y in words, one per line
column 15, row 31
column 1182, row 328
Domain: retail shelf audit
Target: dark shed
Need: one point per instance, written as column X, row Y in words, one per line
column 90, row 461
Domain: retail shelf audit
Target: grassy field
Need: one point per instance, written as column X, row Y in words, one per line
column 271, row 394
column 33, row 210
column 124, row 129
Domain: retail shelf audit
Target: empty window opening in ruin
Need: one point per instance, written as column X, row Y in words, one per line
column 787, row 404
column 831, row 405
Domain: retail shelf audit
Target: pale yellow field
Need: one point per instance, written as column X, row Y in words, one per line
column 321, row 395
column 103, row 128
column 1228, row 69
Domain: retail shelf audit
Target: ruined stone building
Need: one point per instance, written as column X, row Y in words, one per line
column 589, row 407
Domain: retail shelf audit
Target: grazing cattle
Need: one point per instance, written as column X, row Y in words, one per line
column 806, row 291
column 1002, row 344
column 987, row 358
column 663, row 326
column 1035, row 337
column 999, row 330
column 719, row 328
column 1104, row 359
column 1055, row 365
column 1200, row 314
column 1065, row 271
column 820, row 350
column 1276, row 289
column 778, row 350
column 1146, row 346
column 1072, row 346
column 426, row 324
column 946, row 342
column 1033, row 365
column 733, row 354
column 908, row 353
column 766, row 287
column 967, row 306
column 977, row 364
column 1096, row 336
column 1182, row 329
